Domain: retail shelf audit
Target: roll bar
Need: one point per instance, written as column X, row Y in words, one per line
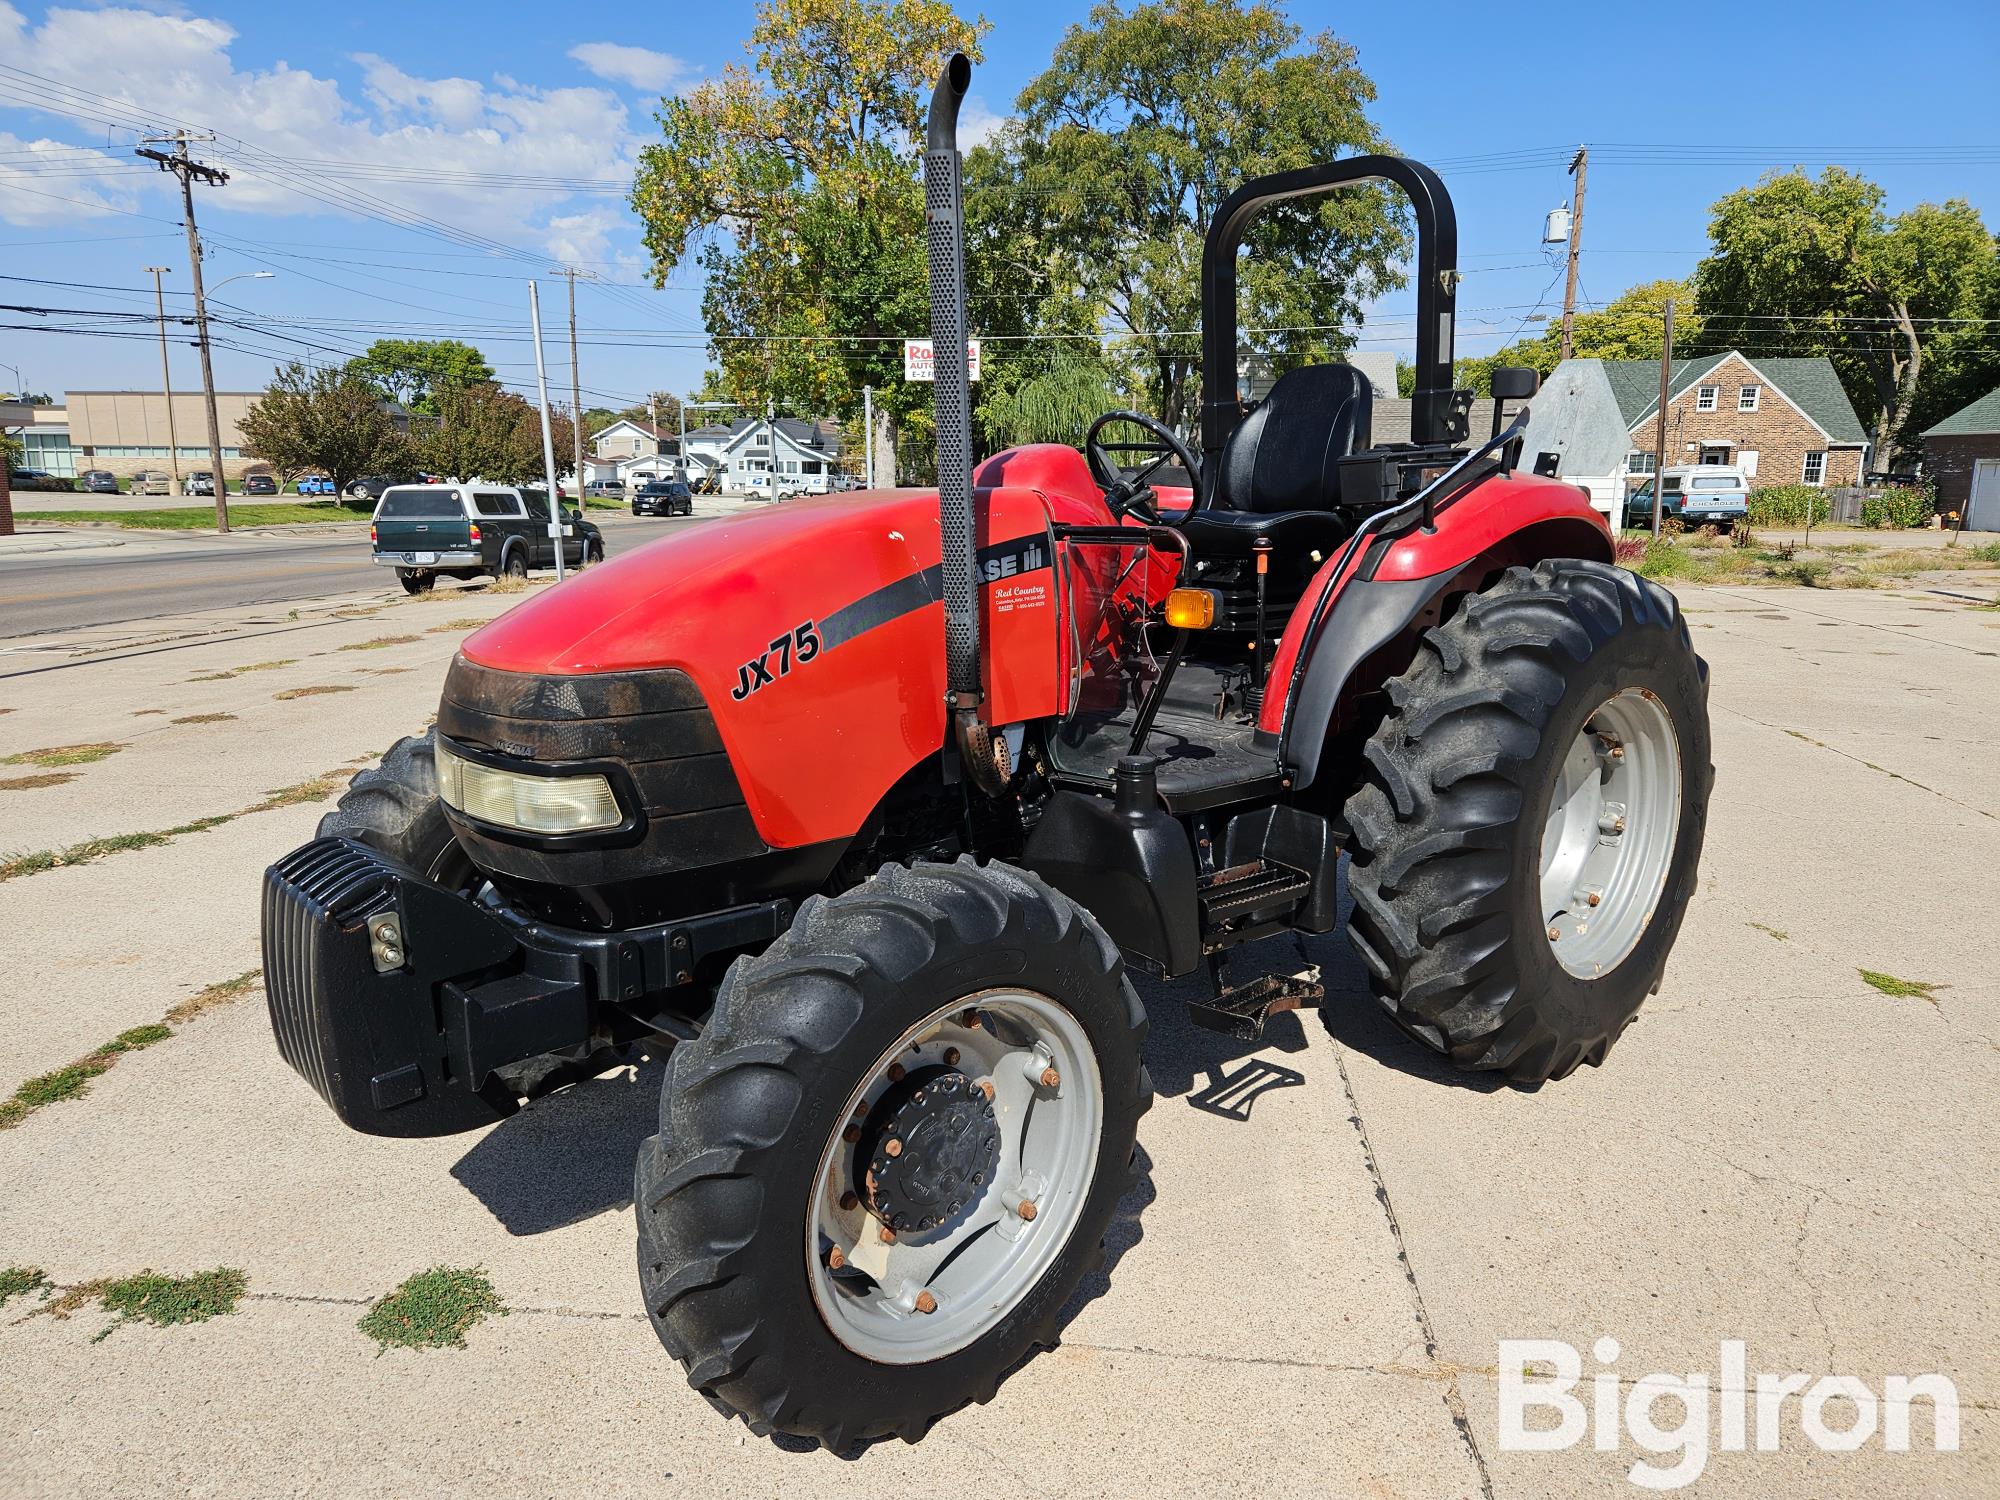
column 1433, row 418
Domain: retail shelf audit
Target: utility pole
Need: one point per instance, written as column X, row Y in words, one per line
column 570, row 273
column 1660, row 422
column 868, row 437
column 1579, row 164
column 166, row 375
column 187, row 169
column 556, row 524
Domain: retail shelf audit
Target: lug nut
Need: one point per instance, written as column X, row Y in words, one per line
column 926, row 1303
column 834, row 1259
column 896, row 1071
column 969, row 1019
column 951, row 1057
column 851, row 1134
column 893, row 1148
column 1619, row 826
column 1027, row 1208
column 1594, row 897
column 1051, row 1078
column 850, row 1200
column 1617, row 752
column 887, row 1235
column 1555, row 934
column 986, row 1088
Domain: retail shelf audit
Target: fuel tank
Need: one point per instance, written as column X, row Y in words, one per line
column 813, row 631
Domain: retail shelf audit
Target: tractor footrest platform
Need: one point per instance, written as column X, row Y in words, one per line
column 1258, row 888
column 1242, row 1012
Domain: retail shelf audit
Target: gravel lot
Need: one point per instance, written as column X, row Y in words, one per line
column 1331, row 1236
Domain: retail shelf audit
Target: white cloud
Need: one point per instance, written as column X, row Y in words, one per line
column 977, row 124
column 47, row 182
column 640, row 67
column 446, row 147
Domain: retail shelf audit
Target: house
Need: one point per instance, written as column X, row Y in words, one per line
column 1782, row 421
column 626, row 438
column 1962, row 456
column 704, row 449
column 755, row 452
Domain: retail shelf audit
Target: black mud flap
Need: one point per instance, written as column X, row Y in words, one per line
column 382, row 994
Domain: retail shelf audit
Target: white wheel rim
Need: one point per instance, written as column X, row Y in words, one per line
column 1608, row 843
column 978, row 1264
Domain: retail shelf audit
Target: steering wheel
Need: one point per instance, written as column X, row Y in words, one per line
column 1131, row 493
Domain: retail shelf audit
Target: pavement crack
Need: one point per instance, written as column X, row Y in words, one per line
column 1798, row 734
column 1454, row 1399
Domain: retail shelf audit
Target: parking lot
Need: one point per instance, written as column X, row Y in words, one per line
column 1331, row 1236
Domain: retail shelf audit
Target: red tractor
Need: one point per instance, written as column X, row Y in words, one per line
column 859, row 809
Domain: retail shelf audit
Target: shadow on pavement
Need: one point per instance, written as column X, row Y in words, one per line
column 567, row 1157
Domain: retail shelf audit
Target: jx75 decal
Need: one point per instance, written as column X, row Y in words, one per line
column 799, row 646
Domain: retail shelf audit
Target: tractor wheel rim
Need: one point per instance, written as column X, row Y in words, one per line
column 977, row 1264
column 1609, row 839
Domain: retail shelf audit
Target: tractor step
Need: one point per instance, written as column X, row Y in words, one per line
column 1242, row 1012
column 1258, row 888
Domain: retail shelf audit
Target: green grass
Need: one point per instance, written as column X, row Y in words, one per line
column 1697, row 559
column 1780, row 935
column 52, row 756
column 432, row 1310
column 73, row 1081
column 35, row 862
column 379, row 642
column 202, row 518
column 1900, row 989
column 167, row 1301
column 19, row 1281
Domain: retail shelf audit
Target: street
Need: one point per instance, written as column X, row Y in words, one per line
column 153, row 574
column 1776, row 1151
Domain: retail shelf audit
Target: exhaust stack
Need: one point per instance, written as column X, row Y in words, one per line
column 944, row 216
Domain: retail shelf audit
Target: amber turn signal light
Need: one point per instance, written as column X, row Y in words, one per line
column 1191, row 609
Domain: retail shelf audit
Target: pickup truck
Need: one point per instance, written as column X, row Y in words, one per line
column 1696, row 495
column 429, row 531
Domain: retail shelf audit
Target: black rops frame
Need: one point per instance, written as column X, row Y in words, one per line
column 1433, row 420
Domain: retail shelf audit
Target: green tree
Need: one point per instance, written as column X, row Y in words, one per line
column 482, row 431
column 414, row 371
column 1126, row 144
column 793, row 183
column 1050, row 399
column 1630, row 326
column 325, row 419
column 1803, row 265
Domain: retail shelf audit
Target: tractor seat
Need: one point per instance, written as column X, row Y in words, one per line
column 1278, row 475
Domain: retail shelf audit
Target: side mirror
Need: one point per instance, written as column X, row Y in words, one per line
column 1515, row 383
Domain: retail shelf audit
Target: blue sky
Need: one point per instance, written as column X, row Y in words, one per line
column 338, row 118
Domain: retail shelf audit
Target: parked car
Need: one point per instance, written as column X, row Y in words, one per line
column 1695, row 495
column 201, row 482
column 428, row 531
column 663, row 497
column 35, row 479
column 259, row 484
column 151, row 482
column 371, row 486
column 314, row 484
column 604, row 489
column 97, row 482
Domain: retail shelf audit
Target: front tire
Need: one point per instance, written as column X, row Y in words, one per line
column 1528, row 838
column 801, row 1067
column 394, row 807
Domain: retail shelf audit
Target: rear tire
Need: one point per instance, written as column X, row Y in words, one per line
column 416, row 583
column 1468, row 775
column 728, row 1195
column 394, row 807
column 515, row 565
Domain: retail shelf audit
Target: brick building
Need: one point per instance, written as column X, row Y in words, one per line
column 1782, row 421
column 1962, row 457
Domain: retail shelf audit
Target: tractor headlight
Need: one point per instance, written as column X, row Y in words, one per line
column 532, row 804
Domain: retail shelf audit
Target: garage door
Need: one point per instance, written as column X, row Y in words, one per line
column 1983, row 514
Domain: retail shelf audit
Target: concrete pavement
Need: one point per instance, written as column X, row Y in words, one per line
column 1307, row 1291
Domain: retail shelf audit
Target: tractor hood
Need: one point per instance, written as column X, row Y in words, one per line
column 815, row 634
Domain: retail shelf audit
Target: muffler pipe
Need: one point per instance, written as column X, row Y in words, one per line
column 944, row 221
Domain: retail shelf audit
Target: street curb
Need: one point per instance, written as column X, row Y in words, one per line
column 31, row 543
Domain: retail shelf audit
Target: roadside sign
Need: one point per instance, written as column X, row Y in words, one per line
column 920, row 364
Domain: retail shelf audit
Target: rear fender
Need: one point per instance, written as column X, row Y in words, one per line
column 1374, row 607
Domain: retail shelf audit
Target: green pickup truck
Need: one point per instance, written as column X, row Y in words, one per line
column 428, row 531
